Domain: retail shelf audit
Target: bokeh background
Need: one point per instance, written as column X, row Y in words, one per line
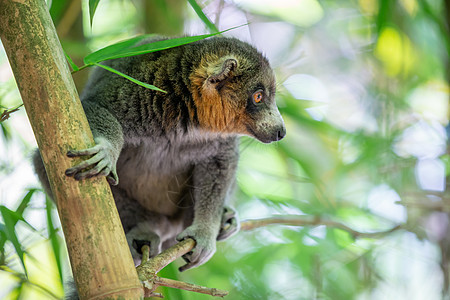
column 363, row 86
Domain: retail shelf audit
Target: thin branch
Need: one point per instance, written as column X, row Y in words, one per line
column 149, row 293
column 150, row 268
column 189, row 287
column 7, row 113
column 145, row 253
column 298, row 220
column 427, row 205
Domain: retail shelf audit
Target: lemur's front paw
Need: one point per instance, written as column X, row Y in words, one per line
column 230, row 223
column 102, row 162
column 204, row 248
column 136, row 238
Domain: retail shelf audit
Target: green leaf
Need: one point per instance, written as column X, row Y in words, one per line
column 18, row 215
column 112, row 50
column 7, row 230
column 383, row 14
column 16, row 293
column 3, row 237
column 6, row 131
column 198, row 10
column 53, row 236
column 71, row 63
column 92, row 8
column 22, row 206
column 25, row 201
column 146, row 85
column 10, row 218
column 57, row 10
column 128, row 48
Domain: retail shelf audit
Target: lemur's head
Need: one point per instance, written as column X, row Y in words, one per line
column 233, row 88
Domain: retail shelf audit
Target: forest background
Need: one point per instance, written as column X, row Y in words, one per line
column 363, row 88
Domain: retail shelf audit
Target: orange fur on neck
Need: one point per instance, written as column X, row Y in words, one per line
column 216, row 112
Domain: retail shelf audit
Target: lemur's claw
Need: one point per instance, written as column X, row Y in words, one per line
column 230, row 224
column 205, row 246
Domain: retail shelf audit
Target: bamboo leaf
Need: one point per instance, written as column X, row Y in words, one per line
column 112, row 50
column 16, row 293
column 146, row 85
column 2, row 245
column 71, row 63
column 25, row 201
column 22, row 206
column 383, row 14
column 92, row 8
column 57, row 9
column 6, row 131
column 10, row 218
column 198, row 10
column 128, row 48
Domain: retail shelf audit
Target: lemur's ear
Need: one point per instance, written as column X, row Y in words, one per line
column 228, row 66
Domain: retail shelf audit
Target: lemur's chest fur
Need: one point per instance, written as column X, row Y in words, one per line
column 158, row 172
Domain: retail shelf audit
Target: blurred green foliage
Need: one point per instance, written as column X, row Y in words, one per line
column 363, row 88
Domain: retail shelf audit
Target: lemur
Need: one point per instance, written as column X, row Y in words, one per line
column 171, row 158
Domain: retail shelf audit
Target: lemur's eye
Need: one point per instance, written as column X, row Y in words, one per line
column 258, row 96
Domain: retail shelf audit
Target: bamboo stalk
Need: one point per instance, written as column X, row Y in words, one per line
column 100, row 259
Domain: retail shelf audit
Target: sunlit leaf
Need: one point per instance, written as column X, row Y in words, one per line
column 128, row 48
column 395, row 51
column 71, row 63
column 6, row 131
column 10, row 218
column 202, row 16
column 25, row 201
column 110, row 51
column 92, row 8
column 57, row 9
column 16, row 293
column 383, row 14
column 3, row 239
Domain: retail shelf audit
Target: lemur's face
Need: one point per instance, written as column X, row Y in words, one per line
column 263, row 120
column 236, row 94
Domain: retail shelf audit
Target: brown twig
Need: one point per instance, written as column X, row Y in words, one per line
column 189, row 287
column 7, row 113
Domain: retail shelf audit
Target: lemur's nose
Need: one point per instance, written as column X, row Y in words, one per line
column 281, row 133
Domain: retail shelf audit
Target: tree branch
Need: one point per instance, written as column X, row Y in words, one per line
column 299, row 220
column 190, row 287
column 148, row 269
column 7, row 113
